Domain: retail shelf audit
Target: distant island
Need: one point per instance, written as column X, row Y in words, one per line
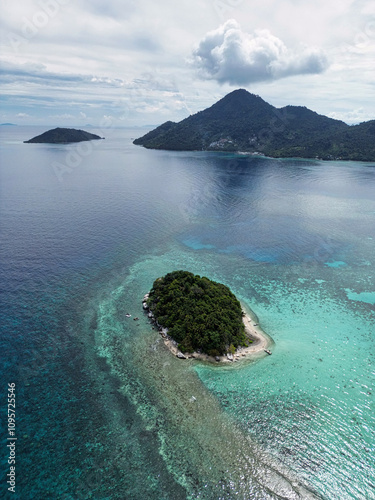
column 201, row 318
column 63, row 136
column 8, row 125
column 244, row 122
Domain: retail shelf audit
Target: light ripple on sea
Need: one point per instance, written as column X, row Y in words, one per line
column 77, row 255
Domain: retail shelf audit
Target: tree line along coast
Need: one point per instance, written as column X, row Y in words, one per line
column 201, row 318
column 244, row 122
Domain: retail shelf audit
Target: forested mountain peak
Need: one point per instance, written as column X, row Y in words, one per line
column 244, row 122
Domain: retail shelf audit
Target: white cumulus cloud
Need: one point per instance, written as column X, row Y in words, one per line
column 230, row 55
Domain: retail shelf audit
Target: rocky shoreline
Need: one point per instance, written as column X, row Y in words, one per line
column 260, row 342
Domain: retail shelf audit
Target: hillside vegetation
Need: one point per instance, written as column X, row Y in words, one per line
column 63, row 136
column 200, row 314
column 242, row 121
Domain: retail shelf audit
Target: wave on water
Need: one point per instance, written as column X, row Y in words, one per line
column 205, row 451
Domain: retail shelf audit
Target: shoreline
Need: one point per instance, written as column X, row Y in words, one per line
column 260, row 341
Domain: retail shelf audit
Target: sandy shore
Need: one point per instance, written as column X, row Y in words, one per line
column 260, row 343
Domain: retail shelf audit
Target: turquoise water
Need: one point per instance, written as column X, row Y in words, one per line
column 367, row 297
column 105, row 411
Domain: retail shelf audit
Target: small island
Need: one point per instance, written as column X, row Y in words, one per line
column 63, row 136
column 202, row 319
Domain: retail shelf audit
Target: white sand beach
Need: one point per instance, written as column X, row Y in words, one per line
column 260, row 343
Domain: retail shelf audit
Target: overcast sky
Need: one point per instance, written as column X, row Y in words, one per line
column 142, row 62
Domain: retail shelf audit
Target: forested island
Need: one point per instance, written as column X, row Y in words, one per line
column 63, row 136
column 244, row 122
column 199, row 315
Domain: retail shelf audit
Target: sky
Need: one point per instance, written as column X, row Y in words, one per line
column 141, row 62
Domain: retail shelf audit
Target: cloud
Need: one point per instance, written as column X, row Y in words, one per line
column 36, row 72
column 229, row 55
column 352, row 116
column 114, row 8
column 74, row 96
column 128, row 58
column 64, row 116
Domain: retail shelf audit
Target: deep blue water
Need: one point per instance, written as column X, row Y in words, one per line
column 103, row 411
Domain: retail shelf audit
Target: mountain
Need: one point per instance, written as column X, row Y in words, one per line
column 63, row 136
column 242, row 121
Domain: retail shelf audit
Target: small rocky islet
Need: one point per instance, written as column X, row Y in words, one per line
column 63, row 136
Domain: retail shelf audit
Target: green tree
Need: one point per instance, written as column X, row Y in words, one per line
column 199, row 313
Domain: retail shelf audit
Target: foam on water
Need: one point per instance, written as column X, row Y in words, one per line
column 205, row 450
column 308, row 405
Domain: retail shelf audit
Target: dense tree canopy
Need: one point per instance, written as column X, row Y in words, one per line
column 245, row 122
column 63, row 136
column 199, row 313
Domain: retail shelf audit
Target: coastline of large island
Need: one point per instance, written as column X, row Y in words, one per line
column 244, row 122
column 193, row 331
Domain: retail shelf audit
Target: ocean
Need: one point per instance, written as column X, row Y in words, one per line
column 103, row 410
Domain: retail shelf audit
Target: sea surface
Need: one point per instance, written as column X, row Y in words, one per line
column 103, row 410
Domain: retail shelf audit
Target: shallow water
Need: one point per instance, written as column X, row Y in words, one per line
column 104, row 411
